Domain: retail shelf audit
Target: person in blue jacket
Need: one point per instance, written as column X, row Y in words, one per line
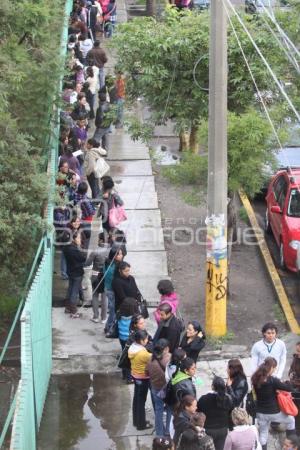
column 128, row 309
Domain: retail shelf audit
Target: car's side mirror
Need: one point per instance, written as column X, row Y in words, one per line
column 276, row 209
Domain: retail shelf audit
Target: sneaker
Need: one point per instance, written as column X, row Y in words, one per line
column 94, row 320
column 103, row 321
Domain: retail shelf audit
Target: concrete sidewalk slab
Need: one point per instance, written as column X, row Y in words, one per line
column 122, row 147
column 148, row 264
column 130, row 168
column 136, row 184
column 135, row 200
column 137, row 192
column 143, row 230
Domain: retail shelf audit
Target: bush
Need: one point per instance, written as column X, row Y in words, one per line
column 191, row 170
column 8, row 307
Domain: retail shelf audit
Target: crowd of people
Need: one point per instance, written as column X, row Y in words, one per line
column 230, row 417
column 162, row 365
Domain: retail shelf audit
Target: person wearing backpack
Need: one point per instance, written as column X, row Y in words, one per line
column 169, row 327
column 156, row 368
column 103, row 121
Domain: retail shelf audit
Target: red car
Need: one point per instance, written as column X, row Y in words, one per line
column 283, row 215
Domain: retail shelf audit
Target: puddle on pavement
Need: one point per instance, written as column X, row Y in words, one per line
column 89, row 412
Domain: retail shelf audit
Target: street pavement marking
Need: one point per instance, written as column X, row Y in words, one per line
column 278, row 286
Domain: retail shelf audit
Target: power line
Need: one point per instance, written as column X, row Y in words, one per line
column 265, row 62
column 286, row 48
column 287, row 40
column 255, row 84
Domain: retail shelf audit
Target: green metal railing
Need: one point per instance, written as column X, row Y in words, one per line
column 34, row 312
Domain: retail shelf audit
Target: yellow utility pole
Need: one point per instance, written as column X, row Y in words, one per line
column 216, row 221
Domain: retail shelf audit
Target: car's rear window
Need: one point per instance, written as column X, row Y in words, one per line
column 294, row 203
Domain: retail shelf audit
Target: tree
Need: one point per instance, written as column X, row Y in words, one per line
column 30, row 62
column 166, row 62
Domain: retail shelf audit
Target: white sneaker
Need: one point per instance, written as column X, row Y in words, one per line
column 94, row 320
column 103, row 321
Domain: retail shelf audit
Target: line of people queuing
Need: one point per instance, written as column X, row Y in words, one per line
column 165, row 364
column 220, row 419
column 82, row 166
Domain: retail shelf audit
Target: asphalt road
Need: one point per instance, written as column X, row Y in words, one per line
column 289, row 279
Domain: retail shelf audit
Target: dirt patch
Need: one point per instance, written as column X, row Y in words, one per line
column 252, row 301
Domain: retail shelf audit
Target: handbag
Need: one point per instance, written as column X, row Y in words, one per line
column 124, row 361
column 251, row 403
column 101, row 168
column 286, row 404
column 143, row 308
column 113, row 331
column 116, row 215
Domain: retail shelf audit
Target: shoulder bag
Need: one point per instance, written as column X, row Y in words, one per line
column 286, row 404
column 116, row 215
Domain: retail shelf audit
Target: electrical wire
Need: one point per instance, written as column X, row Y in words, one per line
column 256, row 86
column 280, row 87
column 272, row 17
column 286, row 51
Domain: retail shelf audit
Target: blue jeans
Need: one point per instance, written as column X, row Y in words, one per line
column 101, row 136
column 101, row 77
column 111, row 309
column 73, row 293
column 63, row 265
column 158, row 403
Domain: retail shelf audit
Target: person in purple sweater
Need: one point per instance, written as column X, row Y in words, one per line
column 68, row 157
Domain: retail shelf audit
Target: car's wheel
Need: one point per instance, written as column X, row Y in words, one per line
column 281, row 256
column 268, row 228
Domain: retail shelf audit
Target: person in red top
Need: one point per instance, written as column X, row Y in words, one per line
column 120, row 98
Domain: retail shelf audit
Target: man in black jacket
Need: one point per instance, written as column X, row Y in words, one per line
column 169, row 327
column 75, row 258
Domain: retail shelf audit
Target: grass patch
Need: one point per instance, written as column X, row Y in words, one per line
column 278, row 313
column 192, row 170
column 243, row 214
column 8, row 308
column 217, row 342
column 193, row 197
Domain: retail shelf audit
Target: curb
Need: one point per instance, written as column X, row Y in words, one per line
column 277, row 284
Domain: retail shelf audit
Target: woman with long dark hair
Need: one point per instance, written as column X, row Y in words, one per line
column 139, row 357
column 193, row 340
column 237, row 385
column 216, row 406
column 111, row 264
column 182, row 416
column 265, row 387
column 156, row 368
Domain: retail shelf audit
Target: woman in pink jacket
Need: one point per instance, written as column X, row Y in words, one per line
column 168, row 295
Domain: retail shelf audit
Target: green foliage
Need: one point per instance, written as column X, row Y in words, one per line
column 250, row 150
column 243, row 214
column 29, row 68
column 8, row 306
column 162, row 60
column 192, row 169
column 192, row 197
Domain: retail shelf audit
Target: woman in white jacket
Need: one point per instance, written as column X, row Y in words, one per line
column 94, row 153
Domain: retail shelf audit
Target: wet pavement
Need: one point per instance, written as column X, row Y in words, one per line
column 89, row 412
